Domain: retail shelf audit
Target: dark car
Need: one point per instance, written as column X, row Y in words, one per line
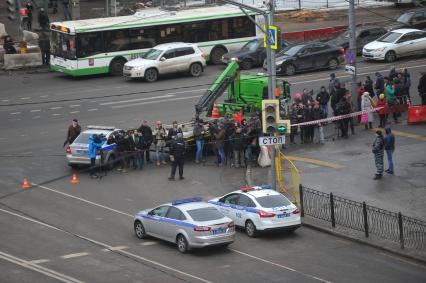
column 410, row 19
column 252, row 54
column 310, row 56
column 363, row 36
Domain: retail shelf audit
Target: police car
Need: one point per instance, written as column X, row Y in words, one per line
column 259, row 208
column 190, row 223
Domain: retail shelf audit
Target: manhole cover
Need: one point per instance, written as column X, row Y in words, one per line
column 418, row 164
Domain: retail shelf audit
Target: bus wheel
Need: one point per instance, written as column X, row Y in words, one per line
column 216, row 55
column 116, row 66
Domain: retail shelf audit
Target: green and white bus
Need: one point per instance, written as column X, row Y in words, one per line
column 104, row 45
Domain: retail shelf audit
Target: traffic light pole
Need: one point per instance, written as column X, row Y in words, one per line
column 352, row 47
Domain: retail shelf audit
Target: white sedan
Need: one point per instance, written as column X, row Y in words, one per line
column 259, row 208
column 395, row 44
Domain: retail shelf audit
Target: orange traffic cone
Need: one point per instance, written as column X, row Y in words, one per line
column 74, row 179
column 25, row 185
column 215, row 112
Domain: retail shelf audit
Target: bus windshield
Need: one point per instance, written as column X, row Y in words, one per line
column 152, row 54
column 62, row 45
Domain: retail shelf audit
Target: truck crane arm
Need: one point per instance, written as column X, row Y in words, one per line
column 217, row 89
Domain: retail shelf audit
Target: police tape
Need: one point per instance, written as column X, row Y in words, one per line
column 337, row 118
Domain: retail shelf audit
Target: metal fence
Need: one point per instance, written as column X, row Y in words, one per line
column 359, row 216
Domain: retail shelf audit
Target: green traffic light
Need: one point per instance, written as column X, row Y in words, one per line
column 282, row 129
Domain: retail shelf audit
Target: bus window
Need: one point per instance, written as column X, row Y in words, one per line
column 142, row 38
column 89, row 44
column 242, row 27
column 116, row 40
column 62, row 45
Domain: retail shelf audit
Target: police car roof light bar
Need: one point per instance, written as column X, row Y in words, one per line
column 110, row 128
column 247, row 189
column 187, row 200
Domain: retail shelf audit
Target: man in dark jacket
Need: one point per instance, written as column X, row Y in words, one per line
column 177, row 156
column 219, row 136
column 379, row 85
column 44, row 44
column 343, row 108
column 389, row 148
column 238, row 144
column 43, row 19
column 323, row 97
column 73, row 131
column 422, row 87
column 8, row 46
column 198, row 133
column 368, row 86
column 95, row 143
column 173, row 131
column 146, row 132
column 378, row 150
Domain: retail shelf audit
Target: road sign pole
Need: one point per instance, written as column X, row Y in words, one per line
column 352, row 47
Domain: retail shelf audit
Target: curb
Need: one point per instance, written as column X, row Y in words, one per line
column 364, row 242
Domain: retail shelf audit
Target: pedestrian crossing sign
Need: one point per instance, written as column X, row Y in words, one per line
column 272, row 33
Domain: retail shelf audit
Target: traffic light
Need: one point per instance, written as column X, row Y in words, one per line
column 283, row 126
column 11, row 9
column 270, row 113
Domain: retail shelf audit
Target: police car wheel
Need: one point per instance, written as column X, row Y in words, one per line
column 140, row 230
column 182, row 243
column 251, row 230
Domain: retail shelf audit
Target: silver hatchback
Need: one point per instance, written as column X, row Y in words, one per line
column 77, row 152
column 190, row 223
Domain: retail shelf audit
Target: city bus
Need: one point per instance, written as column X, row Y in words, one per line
column 104, row 45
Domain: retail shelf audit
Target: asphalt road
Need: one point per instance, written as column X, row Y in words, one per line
column 72, row 233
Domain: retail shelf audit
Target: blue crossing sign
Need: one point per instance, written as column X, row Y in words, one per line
column 272, row 33
column 350, row 56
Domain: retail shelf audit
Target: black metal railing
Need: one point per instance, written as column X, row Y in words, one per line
column 359, row 216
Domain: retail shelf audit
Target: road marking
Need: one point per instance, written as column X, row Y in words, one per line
column 5, row 100
column 56, row 107
column 156, row 101
column 35, row 110
column 280, row 265
column 135, row 100
column 56, row 114
column 92, row 109
column 119, row 248
column 25, row 98
column 43, row 96
column 38, row 261
column 124, row 252
column 315, row 161
column 40, row 269
column 187, row 91
column 75, row 105
column 404, row 134
column 74, row 255
column 109, row 247
column 74, row 112
column 15, row 113
column 150, row 243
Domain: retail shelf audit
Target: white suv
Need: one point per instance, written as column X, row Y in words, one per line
column 164, row 59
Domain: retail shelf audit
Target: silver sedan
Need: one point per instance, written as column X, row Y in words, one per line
column 190, row 223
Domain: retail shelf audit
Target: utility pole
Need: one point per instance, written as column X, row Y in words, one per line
column 352, row 47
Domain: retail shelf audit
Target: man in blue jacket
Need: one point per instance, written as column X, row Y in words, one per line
column 389, row 148
column 95, row 143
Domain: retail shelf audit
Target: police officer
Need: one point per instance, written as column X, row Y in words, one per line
column 177, row 156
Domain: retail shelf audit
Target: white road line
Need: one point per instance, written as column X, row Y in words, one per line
column 153, row 102
column 56, row 107
column 15, row 113
column 56, row 114
column 74, row 255
column 280, row 265
column 44, row 132
column 5, row 100
column 43, row 96
column 136, row 99
column 74, row 112
column 35, row 110
column 75, row 105
column 150, row 243
column 187, row 91
column 38, row 261
column 119, row 248
column 239, row 252
column 109, row 247
column 25, row 98
column 40, row 269
column 92, row 109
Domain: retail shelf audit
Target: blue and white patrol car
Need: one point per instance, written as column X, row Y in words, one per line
column 190, row 223
column 259, row 208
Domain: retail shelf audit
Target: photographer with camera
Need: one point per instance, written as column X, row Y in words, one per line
column 95, row 144
column 160, row 142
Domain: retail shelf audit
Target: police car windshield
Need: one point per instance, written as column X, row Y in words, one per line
column 273, row 201
column 82, row 138
column 205, row 214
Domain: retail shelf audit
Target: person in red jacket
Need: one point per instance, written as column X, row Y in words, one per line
column 382, row 114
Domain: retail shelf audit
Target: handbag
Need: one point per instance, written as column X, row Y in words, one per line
column 364, row 118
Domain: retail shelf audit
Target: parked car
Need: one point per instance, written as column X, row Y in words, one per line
column 411, row 19
column 190, row 223
column 77, row 152
column 258, row 209
column 167, row 58
column 308, row 56
column 252, row 54
column 363, row 36
column 395, row 44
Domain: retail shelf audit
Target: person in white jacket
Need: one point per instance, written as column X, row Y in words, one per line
column 366, row 119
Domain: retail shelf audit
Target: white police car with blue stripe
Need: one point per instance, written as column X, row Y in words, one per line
column 259, row 208
column 190, row 223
